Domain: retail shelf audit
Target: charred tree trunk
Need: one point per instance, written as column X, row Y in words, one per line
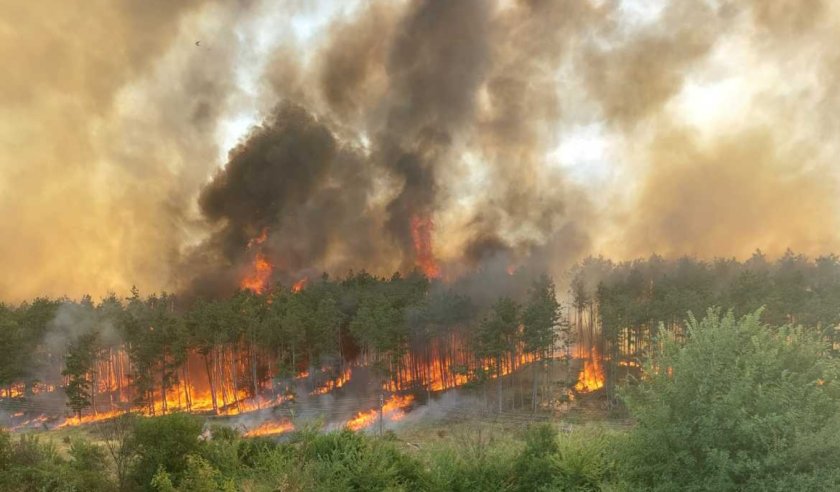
column 208, row 366
column 499, row 380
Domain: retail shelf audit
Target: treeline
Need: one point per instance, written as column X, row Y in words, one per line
column 738, row 406
column 156, row 355
column 628, row 308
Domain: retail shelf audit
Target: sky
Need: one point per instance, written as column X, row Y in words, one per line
column 537, row 132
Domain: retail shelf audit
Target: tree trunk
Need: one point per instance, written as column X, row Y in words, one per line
column 210, row 381
column 254, row 368
column 499, row 380
column 534, row 386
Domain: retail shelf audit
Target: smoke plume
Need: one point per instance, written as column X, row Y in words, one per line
column 155, row 145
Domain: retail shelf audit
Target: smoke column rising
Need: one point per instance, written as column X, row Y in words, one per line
column 372, row 116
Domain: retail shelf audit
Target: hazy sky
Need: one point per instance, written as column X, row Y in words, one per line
column 544, row 129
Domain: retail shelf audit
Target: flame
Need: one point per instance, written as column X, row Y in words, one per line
column 299, row 285
column 421, row 236
column 334, row 383
column 261, row 269
column 392, row 410
column 438, row 372
column 89, row 419
column 270, row 428
column 591, row 377
column 224, row 373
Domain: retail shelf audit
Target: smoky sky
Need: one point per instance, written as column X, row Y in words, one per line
column 714, row 119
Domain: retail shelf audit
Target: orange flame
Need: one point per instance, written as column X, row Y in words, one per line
column 261, row 269
column 392, row 410
column 271, row 428
column 88, row 419
column 421, row 236
column 591, row 377
column 299, row 285
column 333, row 383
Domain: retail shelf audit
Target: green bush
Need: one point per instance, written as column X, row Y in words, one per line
column 164, row 442
column 739, row 406
column 478, row 462
column 346, row 460
column 536, row 466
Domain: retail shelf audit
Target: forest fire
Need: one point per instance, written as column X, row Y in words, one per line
column 421, row 236
column 89, row 419
column 271, row 428
column 259, row 275
column 392, row 410
column 299, row 285
column 591, row 377
column 333, row 384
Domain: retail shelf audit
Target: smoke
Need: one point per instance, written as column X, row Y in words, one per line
column 294, row 180
column 127, row 159
column 746, row 193
column 108, row 129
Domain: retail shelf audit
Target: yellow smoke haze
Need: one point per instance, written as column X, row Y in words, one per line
column 720, row 121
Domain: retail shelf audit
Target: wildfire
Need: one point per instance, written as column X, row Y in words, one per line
column 591, row 377
column 271, row 428
column 421, row 235
column 89, row 419
column 334, row 383
column 392, row 410
column 261, row 269
column 299, row 285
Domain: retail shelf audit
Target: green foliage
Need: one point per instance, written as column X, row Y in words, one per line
column 541, row 316
column 584, row 461
column 28, row 464
column 739, row 406
column 78, row 362
column 346, row 460
column 89, row 465
column 199, row 476
column 534, row 468
column 164, row 443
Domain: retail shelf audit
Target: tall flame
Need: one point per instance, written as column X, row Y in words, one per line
column 421, row 236
column 591, row 377
column 261, row 269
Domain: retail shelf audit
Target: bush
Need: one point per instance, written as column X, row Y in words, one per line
column 89, row 466
column 479, row 462
column 164, row 443
column 536, row 466
column 739, row 406
column 346, row 460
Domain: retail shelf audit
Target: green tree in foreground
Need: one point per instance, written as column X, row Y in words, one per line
column 739, row 406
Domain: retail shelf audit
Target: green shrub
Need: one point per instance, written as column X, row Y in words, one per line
column 164, row 442
column 346, row 460
column 478, row 462
column 738, row 405
column 535, row 467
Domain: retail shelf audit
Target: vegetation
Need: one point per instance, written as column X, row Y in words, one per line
column 626, row 309
column 130, row 353
column 736, row 405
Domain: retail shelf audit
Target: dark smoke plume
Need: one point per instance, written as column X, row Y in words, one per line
column 716, row 120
